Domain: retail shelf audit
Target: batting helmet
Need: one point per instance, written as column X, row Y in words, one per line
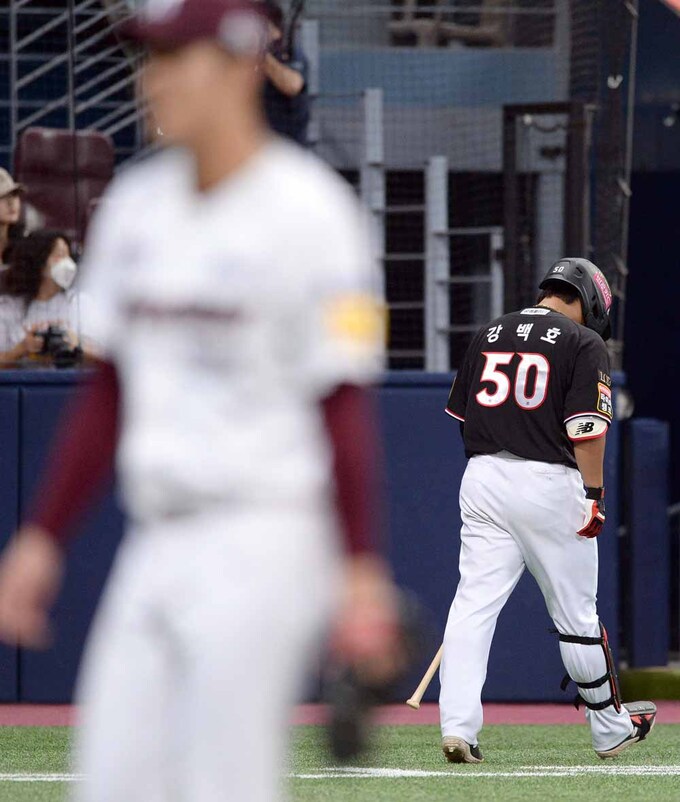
column 592, row 286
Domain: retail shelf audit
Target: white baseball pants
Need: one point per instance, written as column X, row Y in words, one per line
column 516, row 514
column 197, row 655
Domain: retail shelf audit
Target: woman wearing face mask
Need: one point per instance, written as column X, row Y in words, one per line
column 35, row 292
column 10, row 212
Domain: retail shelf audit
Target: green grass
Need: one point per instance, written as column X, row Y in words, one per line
column 507, row 749
column 34, row 750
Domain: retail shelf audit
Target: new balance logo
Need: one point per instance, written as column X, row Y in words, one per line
column 587, row 427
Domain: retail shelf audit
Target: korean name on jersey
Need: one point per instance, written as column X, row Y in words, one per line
column 532, row 383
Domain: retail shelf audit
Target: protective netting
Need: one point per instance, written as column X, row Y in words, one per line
column 448, row 116
column 447, row 71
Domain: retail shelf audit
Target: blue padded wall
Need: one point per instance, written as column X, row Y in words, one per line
column 49, row 676
column 425, row 463
column 9, row 494
column 648, row 576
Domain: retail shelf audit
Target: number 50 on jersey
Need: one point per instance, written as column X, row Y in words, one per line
column 530, row 386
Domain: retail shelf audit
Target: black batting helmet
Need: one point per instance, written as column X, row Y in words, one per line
column 592, row 286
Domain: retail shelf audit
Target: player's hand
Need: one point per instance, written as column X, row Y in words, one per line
column 30, row 576
column 367, row 633
column 594, row 514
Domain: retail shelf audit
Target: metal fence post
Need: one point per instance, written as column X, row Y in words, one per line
column 13, row 81
column 310, row 39
column 497, row 277
column 437, row 266
column 372, row 178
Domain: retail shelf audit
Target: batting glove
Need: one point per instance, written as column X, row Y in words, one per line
column 594, row 516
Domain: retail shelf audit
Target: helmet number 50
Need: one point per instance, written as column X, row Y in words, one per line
column 530, row 385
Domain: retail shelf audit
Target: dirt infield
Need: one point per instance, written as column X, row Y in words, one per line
column 669, row 713
column 66, row 715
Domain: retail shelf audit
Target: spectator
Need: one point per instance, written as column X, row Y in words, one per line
column 286, row 99
column 10, row 212
column 36, row 291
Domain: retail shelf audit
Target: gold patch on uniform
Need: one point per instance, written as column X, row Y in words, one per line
column 604, row 403
column 357, row 317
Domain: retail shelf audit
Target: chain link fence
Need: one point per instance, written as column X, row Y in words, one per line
column 410, row 103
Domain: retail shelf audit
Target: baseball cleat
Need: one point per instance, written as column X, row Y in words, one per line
column 456, row 750
column 643, row 716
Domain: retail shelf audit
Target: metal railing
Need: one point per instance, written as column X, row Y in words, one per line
column 440, row 315
column 442, row 276
column 67, row 69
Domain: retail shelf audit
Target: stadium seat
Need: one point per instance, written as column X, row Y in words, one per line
column 63, row 172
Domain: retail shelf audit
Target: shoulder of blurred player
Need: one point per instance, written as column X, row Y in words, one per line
column 317, row 187
column 322, row 214
column 146, row 179
column 126, row 203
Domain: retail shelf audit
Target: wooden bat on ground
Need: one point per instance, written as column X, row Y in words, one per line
column 419, row 692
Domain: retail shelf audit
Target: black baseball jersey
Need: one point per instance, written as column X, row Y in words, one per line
column 525, row 377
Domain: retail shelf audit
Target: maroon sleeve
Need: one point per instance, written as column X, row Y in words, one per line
column 82, row 456
column 352, row 427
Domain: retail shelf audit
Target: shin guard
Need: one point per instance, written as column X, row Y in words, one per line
column 609, row 677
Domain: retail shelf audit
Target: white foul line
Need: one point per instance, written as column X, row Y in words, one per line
column 344, row 772
column 466, row 774
column 40, row 778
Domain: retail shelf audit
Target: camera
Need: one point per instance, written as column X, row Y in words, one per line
column 57, row 346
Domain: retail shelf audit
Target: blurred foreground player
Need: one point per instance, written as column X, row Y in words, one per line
column 535, row 401
column 232, row 291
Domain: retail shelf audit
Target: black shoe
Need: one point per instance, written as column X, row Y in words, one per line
column 456, row 750
column 643, row 716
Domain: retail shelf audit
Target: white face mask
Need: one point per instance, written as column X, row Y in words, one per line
column 64, row 272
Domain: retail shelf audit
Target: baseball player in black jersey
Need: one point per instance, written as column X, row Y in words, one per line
column 534, row 398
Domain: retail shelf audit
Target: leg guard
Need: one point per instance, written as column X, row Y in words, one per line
column 609, row 677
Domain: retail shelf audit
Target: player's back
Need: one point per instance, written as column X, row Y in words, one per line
column 525, row 375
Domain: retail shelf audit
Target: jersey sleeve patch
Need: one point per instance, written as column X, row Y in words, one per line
column 604, row 403
column 357, row 318
column 586, row 427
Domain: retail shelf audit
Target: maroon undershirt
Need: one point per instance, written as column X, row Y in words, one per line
column 81, row 460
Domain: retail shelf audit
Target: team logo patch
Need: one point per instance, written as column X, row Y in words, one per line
column 604, row 404
column 357, row 317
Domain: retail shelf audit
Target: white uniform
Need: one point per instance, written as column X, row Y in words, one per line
column 229, row 316
column 516, row 514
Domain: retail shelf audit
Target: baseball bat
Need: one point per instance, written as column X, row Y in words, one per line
column 419, row 692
